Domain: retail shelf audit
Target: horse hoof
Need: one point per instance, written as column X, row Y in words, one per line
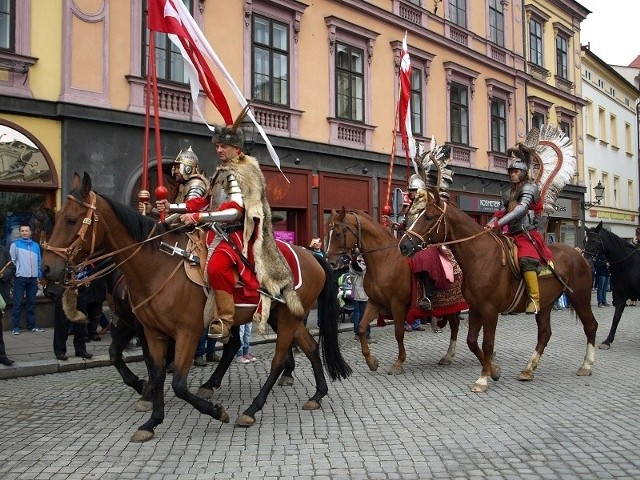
column 285, row 381
column 396, row 370
column 496, row 371
column 245, row 421
column 584, row 372
column 373, row 363
column 525, row 375
column 604, row 346
column 444, row 361
column 142, row 436
column 143, row 406
column 479, row 388
column 311, row 405
column 205, row 393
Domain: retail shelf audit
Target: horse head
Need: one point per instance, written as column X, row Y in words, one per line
column 425, row 223
column 344, row 238
column 592, row 242
column 75, row 233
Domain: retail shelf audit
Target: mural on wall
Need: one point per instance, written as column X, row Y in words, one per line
column 20, row 159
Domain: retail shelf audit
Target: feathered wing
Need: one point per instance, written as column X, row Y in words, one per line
column 556, row 164
column 432, row 167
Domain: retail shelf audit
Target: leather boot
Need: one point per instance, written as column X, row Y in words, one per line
column 531, row 281
column 221, row 327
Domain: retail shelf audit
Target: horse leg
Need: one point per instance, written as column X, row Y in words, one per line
column 399, row 315
column 311, row 350
column 286, row 379
column 485, row 356
column 371, row 311
column 121, row 335
column 543, row 319
column 228, row 355
column 284, row 341
column 581, row 304
column 157, row 351
column 454, row 325
column 614, row 325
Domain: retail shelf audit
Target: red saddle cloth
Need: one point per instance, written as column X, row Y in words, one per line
column 244, row 296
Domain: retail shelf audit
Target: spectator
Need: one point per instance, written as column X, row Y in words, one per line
column 357, row 268
column 243, row 355
column 205, row 351
column 7, row 271
column 25, row 254
column 316, row 248
column 602, row 279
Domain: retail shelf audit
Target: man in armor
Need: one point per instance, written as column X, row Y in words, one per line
column 520, row 211
column 242, row 250
column 192, row 186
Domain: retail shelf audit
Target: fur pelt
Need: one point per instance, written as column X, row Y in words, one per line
column 70, row 306
column 272, row 269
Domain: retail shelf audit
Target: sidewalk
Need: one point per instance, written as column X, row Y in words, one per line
column 33, row 352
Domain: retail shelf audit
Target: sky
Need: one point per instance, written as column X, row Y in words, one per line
column 613, row 29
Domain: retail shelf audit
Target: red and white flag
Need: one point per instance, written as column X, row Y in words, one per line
column 173, row 17
column 404, row 105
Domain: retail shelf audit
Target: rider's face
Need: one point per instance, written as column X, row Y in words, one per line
column 226, row 152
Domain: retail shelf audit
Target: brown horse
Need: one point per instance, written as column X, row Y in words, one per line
column 490, row 286
column 387, row 281
column 169, row 305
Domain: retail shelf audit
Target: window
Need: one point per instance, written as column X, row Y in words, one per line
column 7, row 24
column 535, row 43
column 566, row 128
column 590, row 120
column 562, row 68
column 416, row 101
column 169, row 61
column 349, row 82
column 459, row 111
column 458, row 12
column 270, row 72
column 602, row 125
column 498, row 125
column 537, row 120
column 496, row 22
column 614, row 130
column 627, row 137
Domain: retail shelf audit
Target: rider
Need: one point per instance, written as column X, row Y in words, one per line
column 241, row 241
column 520, row 211
column 192, row 186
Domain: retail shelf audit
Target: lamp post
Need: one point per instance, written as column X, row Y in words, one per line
column 249, row 130
column 584, row 206
column 599, row 189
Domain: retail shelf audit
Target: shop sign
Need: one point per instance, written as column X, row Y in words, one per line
column 478, row 204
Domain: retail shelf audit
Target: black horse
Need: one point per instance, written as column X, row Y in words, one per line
column 624, row 267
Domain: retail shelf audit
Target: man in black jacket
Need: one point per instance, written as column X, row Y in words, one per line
column 8, row 271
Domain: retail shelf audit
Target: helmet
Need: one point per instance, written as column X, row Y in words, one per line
column 186, row 164
column 228, row 136
column 416, row 182
column 519, row 164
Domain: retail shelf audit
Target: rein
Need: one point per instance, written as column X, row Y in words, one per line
column 356, row 249
column 436, row 225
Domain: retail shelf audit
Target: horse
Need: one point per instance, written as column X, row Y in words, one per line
column 624, row 267
column 490, row 286
column 169, row 305
column 387, row 282
column 41, row 222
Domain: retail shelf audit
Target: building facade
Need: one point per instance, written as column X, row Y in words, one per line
column 322, row 78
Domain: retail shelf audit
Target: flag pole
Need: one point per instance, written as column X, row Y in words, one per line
column 143, row 195
column 161, row 191
column 386, row 210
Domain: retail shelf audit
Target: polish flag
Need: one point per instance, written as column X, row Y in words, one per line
column 404, row 105
column 173, row 17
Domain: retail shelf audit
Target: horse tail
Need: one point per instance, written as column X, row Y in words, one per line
column 328, row 325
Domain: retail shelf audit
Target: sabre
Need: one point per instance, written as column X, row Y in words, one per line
column 181, row 252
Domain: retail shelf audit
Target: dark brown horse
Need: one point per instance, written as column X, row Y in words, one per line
column 387, row 281
column 490, row 286
column 169, row 305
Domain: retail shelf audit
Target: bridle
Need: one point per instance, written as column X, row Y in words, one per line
column 358, row 248
column 601, row 249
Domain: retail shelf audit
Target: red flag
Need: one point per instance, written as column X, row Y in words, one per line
column 404, row 107
column 165, row 17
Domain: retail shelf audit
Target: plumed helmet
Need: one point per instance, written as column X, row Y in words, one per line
column 416, row 182
column 228, row 136
column 519, row 164
column 186, row 163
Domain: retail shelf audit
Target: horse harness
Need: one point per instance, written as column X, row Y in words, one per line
column 357, row 249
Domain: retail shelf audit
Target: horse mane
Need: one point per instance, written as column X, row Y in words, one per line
column 614, row 243
column 363, row 214
column 137, row 225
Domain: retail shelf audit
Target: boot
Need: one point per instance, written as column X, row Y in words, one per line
column 221, row 327
column 531, row 281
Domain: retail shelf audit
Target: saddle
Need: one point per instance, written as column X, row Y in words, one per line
column 197, row 245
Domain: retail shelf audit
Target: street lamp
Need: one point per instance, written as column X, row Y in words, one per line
column 250, row 134
column 599, row 189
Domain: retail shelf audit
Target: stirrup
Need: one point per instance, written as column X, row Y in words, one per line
column 216, row 335
column 277, row 297
column 425, row 303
